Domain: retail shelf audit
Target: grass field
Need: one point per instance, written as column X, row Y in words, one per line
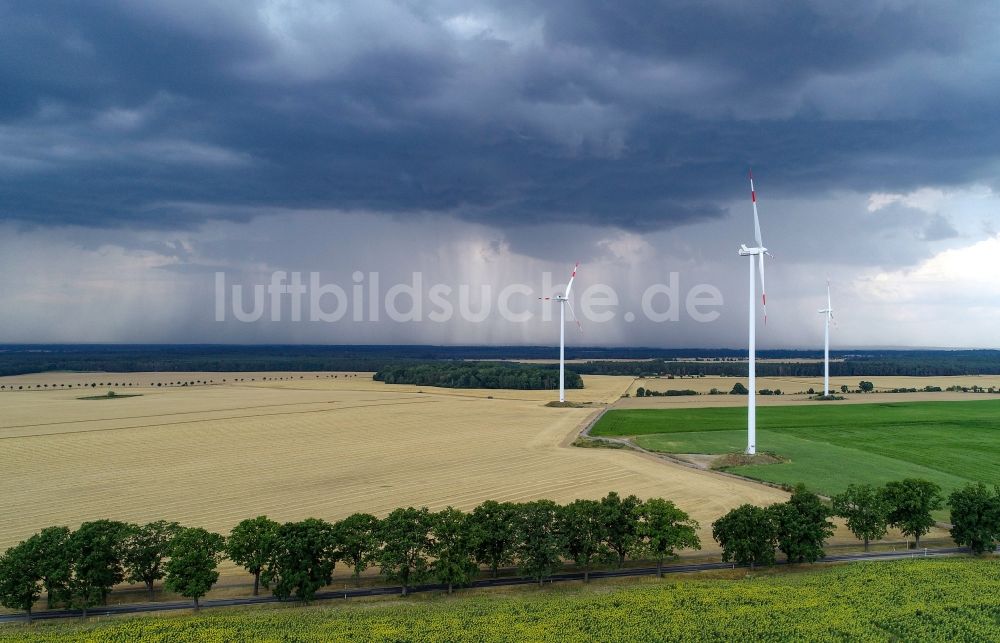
column 829, row 446
column 910, row 600
column 295, row 446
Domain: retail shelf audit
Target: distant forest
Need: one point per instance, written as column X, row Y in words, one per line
column 453, row 374
column 927, row 363
column 21, row 359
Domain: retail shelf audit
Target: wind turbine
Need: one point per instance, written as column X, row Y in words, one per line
column 563, row 302
column 759, row 251
column 828, row 311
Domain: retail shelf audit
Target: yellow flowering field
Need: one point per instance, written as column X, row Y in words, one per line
column 908, row 600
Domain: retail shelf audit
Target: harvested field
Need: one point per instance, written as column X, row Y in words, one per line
column 324, row 446
column 792, row 387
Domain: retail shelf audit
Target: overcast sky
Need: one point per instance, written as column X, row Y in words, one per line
column 146, row 147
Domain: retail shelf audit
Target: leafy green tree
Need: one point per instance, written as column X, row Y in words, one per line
column 302, row 560
column 747, row 536
column 844, row 388
column 452, row 549
column 582, row 528
column 145, row 548
column 95, row 552
column 739, row 389
column 406, row 543
column 539, row 543
column 49, row 550
column 194, row 557
column 865, row 386
column 357, row 542
column 20, row 581
column 664, row 528
column 620, row 520
column 492, row 526
column 801, row 526
column 975, row 517
column 865, row 509
column 251, row 544
column 911, row 502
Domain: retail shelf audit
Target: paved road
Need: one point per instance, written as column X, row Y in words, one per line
column 497, row 582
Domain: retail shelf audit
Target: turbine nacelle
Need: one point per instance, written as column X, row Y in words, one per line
column 748, row 252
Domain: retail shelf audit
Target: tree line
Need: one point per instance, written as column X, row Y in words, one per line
column 672, row 392
column 481, row 375
column 751, row 535
column 930, row 365
column 183, row 383
column 21, row 359
column 77, row 569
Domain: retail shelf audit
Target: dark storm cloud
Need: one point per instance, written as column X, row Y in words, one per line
column 770, row 41
column 637, row 115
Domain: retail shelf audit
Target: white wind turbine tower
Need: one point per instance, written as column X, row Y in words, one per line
column 759, row 251
column 828, row 311
column 563, row 302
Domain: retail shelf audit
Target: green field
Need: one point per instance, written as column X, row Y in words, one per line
column 828, row 446
column 909, row 600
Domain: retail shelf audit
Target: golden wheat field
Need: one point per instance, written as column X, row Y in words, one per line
column 793, row 389
column 293, row 447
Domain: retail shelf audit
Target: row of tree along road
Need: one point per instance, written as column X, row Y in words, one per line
column 77, row 569
column 750, row 535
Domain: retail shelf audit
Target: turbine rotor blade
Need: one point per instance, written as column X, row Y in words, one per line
column 569, row 286
column 756, row 219
column 573, row 313
column 760, row 245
